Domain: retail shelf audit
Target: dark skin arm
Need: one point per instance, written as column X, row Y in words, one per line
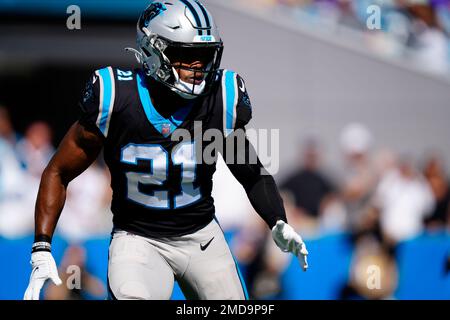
column 77, row 151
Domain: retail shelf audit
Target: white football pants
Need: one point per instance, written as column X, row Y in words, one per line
column 202, row 263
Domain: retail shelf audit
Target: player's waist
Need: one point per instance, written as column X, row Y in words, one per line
column 155, row 229
column 162, row 223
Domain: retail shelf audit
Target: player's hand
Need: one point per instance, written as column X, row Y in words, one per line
column 290, row 241
column 43, row 268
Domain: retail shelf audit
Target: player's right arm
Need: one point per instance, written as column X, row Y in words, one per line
column 77, row 151
column 79, row 148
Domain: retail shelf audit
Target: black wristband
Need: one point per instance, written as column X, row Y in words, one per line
column 42, row 238
column 41, row 246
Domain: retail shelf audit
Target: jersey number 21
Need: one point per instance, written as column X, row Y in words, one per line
column 183, row 154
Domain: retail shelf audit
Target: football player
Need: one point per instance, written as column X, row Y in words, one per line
column 163, row 213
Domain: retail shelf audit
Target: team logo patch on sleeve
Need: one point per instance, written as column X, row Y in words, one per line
column 246, row 100
column 89, row 89
column 245, row 97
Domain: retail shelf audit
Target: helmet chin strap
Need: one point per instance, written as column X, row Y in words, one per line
column 187, row 90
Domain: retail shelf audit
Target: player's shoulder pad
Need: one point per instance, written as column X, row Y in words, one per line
column 114, row 78
column 105, row 93
column 236, row 102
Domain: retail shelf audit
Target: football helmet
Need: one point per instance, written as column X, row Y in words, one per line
column 174, row 31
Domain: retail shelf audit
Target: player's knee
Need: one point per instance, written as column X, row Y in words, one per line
column 133, row 290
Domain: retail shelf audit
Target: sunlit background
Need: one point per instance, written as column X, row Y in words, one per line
column 364, row 152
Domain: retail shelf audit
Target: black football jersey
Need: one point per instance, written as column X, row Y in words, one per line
column 160, row 188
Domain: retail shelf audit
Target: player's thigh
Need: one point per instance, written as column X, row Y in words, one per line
column 213, row 274
column 137, row 271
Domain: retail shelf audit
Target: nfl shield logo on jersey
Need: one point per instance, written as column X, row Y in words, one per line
column 165, row 129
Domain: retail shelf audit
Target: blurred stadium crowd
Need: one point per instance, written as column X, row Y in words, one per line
column 381, row 231
column 414, row 30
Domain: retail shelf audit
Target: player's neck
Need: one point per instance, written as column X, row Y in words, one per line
column 164, row 100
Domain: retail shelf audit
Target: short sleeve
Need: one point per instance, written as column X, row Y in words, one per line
column 97, row 101
column 244, row 106
column 237, row 110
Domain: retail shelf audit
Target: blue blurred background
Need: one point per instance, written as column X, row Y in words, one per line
column 363, row 153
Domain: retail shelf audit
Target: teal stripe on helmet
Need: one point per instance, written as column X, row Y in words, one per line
column 195, row 14
column 208, row 24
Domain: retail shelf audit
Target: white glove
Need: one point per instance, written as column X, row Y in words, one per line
column 290, row 241
column 43, row 268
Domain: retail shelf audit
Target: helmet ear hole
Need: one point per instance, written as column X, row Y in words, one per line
column 160, row 45
column 162, row 74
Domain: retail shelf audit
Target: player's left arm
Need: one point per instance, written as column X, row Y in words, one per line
column 259, row 185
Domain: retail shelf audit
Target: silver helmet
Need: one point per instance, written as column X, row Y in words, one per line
column 168, row 31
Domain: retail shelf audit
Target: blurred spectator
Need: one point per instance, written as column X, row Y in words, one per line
column 373, row 272
column 403, row 199
column 360, row 177
column 431, row 45
column 36, row 149
column 396, row 31
column 6, row 128
column 347, row 14
column 77, row 282
column 16, row 196
column 437, row 179
column 309, row 187
column 415, row 30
